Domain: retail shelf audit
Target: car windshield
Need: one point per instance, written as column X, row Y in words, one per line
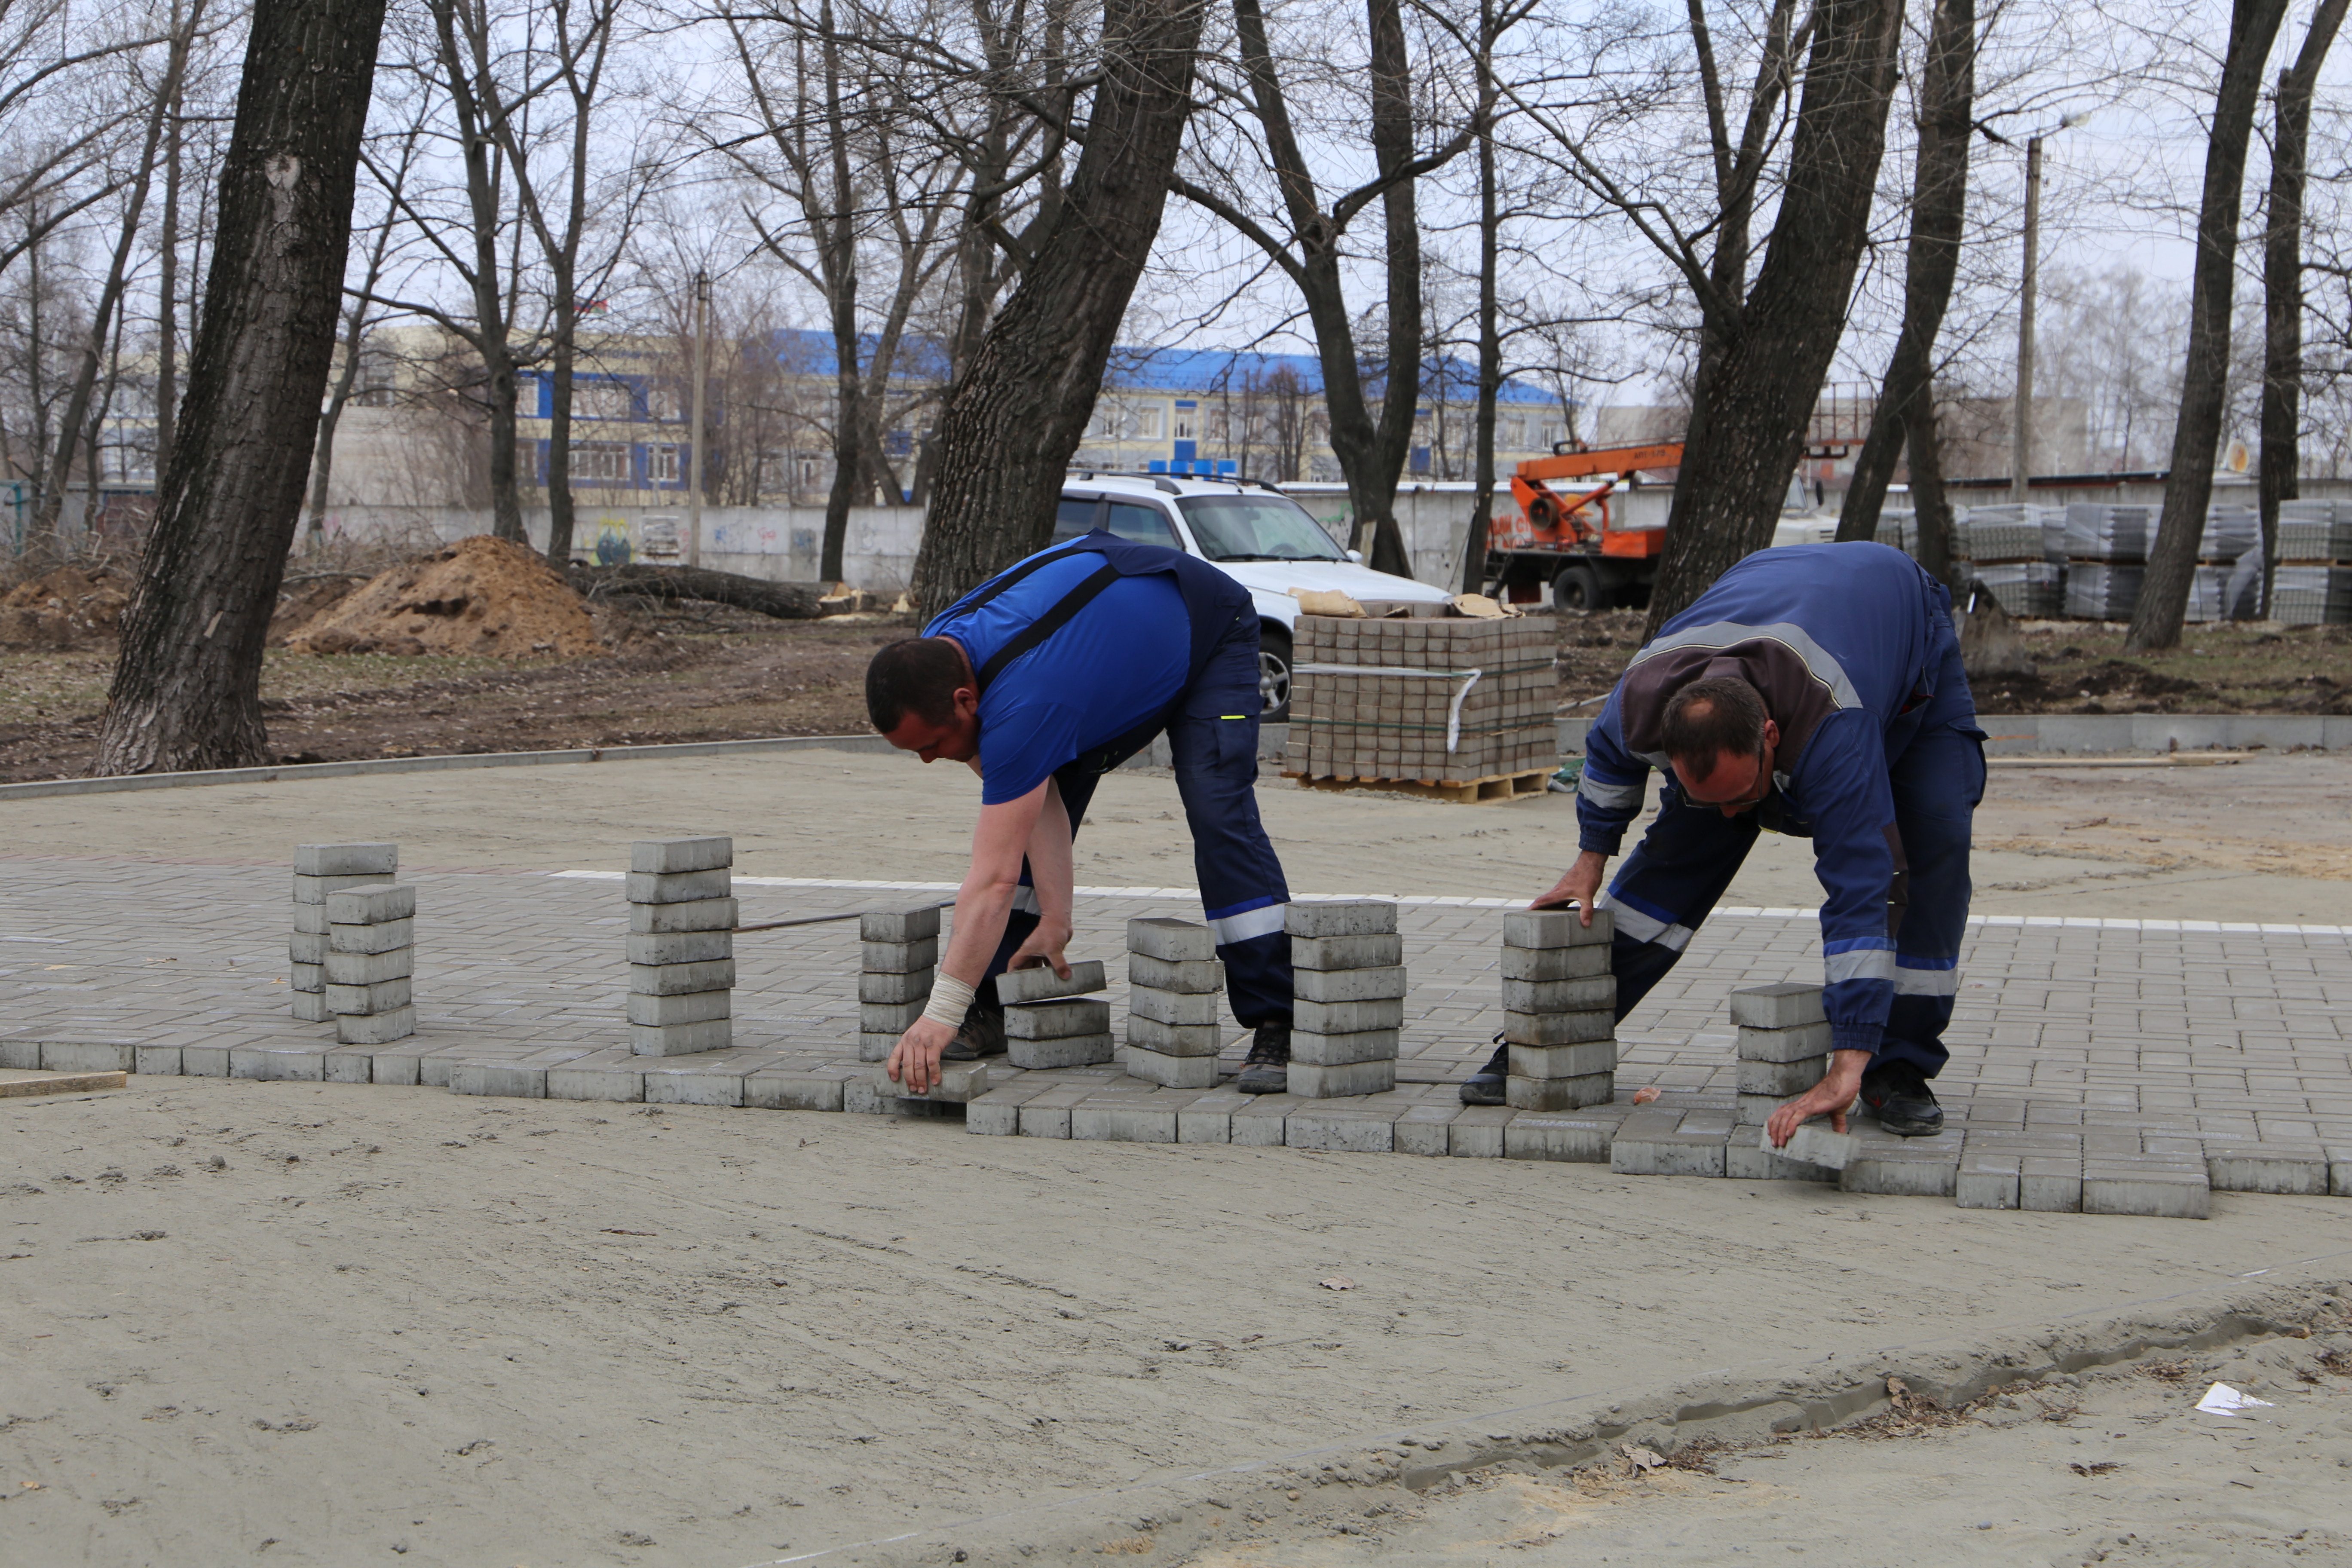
column 1256, row 528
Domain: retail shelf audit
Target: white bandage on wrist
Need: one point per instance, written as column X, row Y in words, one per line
column 951, row 1000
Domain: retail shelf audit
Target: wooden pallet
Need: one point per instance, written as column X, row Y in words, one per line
column 1466, row 792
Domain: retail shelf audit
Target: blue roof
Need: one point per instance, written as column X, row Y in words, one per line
column 1136, row 367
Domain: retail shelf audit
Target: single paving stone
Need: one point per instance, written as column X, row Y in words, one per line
column 681, row 1039
column 1558, row 928
column 680, row 946
column 1425, row 1130
column 675, row 855
column 1170, row 941
column 1038, row 984
column 1544, row 965
column 2050, row 1184
column 1309, row 1081
column 1062, row 1051
column 900, row 927
column 1210, row 1119
column 1363, row 917
column 369, row 969
column 1558, row 1093
column 1346, row 1018
column 1782, row 1006
column 678, row 887
column 1193, row 1071
column 1564, row 1062
column 1057, row 1019
column 2154, row 1186
column 376, row 1028
column 383, row 936
column 1334, row 987
column 1579, row 1137
column 1180, row 1009
column 1798, row 1043
column 1476, row 1134
column 1783, row 1080
column 1598, row 994
column 1194, row 976
column 1174, row 1039
column 958, row 1083
column 1316, row 1049
column 899, row 957
column 1987, row 1181
column 1558, row 1029
column 1344, row 1132
column 782, row 1088
column 379, row 860
column 695, row 914
column 1378, row 950
column 2299, row 1168
column 508, row 1078
column 1743, row 1161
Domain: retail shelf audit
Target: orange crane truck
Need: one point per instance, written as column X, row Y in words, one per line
column 1570, row 537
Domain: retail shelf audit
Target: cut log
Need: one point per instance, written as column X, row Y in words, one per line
column 1990, row 644
column 784, row 601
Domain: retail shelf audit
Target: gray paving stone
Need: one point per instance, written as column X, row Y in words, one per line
column 208, row 1061
column 299, row 1066
column 678, row 887
column 859, row 1098
column 2050, row 1184
column 1258, row 1124
column 1067, row 1051
column 679, row 947
column 1817, row 1143
column 1179, row 1008
column 310, row 977
column 2339, row 1169
column 1193, row 1071
column 88, row 1055
column 304, row 947
column 1558, row 928
column 379, row 936
column 1577, row 1137
column 511, row 1080
column 308, row 890
column 888, row 989
column 1309, row 1081
column 1747, row 1162
column 1337, row 987
column 1340, row 1132
column 681, row 1039
column 1800, row 1043
column 1476, row 1133
column 1046, row 1120
column 1559, row 1093
column 368, row 904
column 346, row 860
column 1210, row 1118
column 1174, row 1039
column 1987, row 1181
column 787, row 1088
column 1756, row 1109
column 311, row 919
column 1127, row 1119
column 1426, row 1130
column 1378, row 950
column 1361, row 917
column 613, row 1076
column 2266, row 1168
column 1596, row 994
column 349, row 1064
column 959, row 1083
column 1346, row 1018
column 1040, row 983
column 671, row 855
column 1316, row 1048
column 368, row 969
column 1788, row 1005
column 1558, row 1029
column 1543, row 965
column 1563, row 1062
column 2149, row 1185
column 374, row 1028
column 1195, row 976
column 892, row 1018
column 1055, row 1020
column 1906, row 1167
column 678, row 979
column 899, row 957
column 160, row 1061
column 1170, row 941
column 876, row 1047
column 914, row 924
column 692, row 915
column 363, row 998
column 1783, row 1080
column 693, row 1007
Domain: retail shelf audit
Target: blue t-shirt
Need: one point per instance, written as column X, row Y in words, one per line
column 1117, row 663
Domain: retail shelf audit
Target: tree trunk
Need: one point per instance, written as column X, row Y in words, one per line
column 2204, row 377
column 167, row 258
column 188, row 686
column 783, row 601
column 561, row 389
column 1490, row 342
column 1932, row 508
column 1016, row 418
column 2281, row 415
column 1938, row 206
column 491, row 328
column 838, row 237
column 1755, row 396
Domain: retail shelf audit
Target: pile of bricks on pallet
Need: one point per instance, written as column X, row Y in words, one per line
column 320, row 869
column 1559, row 1010
column 1050, row 1022
column 1348, row 986
column 681, row 945
column 1174, row 989
column 1381, row 724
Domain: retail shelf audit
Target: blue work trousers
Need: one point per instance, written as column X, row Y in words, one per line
column 1935, row 762
column 1211, row 728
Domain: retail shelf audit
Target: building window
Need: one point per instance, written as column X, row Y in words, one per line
column 604, row 463
column 1514, row 434
column 526, row 469
column 1188, row 421
column 1554, row 434
column 662, row 464
column 600, row 398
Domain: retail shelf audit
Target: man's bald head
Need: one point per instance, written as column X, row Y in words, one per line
column 1720, row 740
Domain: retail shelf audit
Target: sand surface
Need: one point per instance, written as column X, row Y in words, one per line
column 343, row 1324
column 2269, row 840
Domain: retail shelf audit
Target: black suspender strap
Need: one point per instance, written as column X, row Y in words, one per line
column 1011, row 574
column 1047, row 625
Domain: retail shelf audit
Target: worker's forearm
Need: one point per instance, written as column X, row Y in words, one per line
column 1051, row 864
column 982, row 905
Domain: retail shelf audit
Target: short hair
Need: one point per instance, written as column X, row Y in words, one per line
column 1710, row 717
column 914, row 675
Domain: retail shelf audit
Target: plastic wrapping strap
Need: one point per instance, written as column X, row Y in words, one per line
column 1468, row 678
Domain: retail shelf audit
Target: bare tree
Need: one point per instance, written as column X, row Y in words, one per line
column 1020, row 407
column 187, row 684
column 2204, row 389
column 361, row 316
column 2282, row 296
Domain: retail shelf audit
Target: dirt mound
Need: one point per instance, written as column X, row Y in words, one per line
column 62, row 609
column 301, row 602
column 481, row 595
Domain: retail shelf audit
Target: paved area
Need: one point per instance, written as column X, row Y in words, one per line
column 2221, row 1048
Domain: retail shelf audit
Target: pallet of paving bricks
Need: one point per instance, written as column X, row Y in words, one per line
column 1461, row 709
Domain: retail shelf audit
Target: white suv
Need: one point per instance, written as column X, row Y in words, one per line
column 1253, row 531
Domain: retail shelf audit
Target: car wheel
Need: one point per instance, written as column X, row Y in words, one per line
column 1578, row 591
column 1274, row 675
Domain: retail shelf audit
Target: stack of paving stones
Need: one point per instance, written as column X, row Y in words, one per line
column 681, row 946
column 320, row 869
column 899, row 953
column 1559, row 1010
column 371, row 958
column 2314, row 583
column 1784, row 1050
column 1408, row 709
column 1050, row 1022
column 1175, row 986
column 1347, row 986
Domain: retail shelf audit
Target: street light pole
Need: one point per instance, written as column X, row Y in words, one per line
column 694, row 436
column 2020, row 440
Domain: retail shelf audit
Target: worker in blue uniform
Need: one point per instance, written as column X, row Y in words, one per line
column 1814, row 691
column 1042, row 679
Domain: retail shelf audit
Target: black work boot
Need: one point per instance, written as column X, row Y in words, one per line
column 1484, row 1087
column 1898, row 1093
column 983, row 1034
column 1267, row 1071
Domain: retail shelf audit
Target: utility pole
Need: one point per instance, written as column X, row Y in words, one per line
column 2020, row 437
column 694, row 438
